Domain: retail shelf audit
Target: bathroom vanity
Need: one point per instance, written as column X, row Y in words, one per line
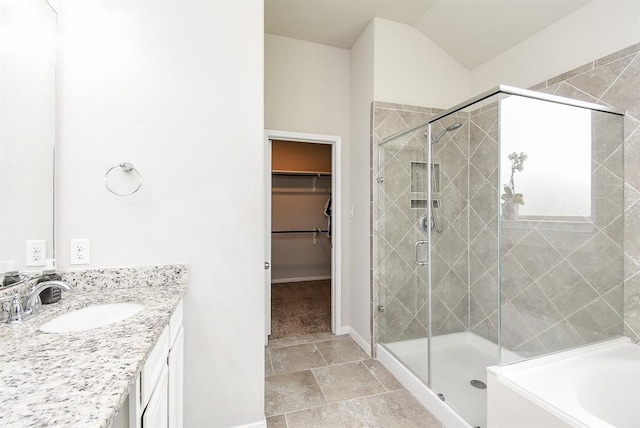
column 156, row 398
column 124, row 374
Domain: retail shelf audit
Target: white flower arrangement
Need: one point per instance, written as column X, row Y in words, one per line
column 517, row 164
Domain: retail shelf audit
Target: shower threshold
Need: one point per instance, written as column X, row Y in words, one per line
column 457, row 360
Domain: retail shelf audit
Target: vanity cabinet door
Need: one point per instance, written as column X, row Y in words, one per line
column 152, row 368
column 156, row 415
column 176, row 376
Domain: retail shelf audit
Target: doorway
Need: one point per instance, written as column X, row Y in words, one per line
column 302, row 210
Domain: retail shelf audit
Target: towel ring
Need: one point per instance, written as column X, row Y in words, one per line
column 126, row 167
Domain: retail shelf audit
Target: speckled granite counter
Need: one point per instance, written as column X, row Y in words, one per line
column 82, row 379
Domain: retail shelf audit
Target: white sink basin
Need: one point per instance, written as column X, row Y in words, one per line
column 91, row 317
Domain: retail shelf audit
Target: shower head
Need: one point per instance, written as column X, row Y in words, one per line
column 454, row 126
column 448, row 129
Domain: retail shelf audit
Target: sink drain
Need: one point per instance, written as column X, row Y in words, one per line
column 478, row 384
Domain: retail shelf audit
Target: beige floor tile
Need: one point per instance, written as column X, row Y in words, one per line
column 298, row 340
column 276, row 422
column 387, row 380
column 394, row 409
column 341, row 414
column 268, row 369
column 318, row 337
column 352, row 391
column 283, row 341
column 346, row 381
column 295, row 358
column 290, row 392
column 341, row 350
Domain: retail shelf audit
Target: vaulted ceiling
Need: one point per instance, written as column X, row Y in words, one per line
column 471, row 31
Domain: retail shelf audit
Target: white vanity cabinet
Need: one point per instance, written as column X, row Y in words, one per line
column 156, row 413
column 176, row 369
column 156, row 400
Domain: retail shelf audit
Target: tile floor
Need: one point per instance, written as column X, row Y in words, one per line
column 322, row 380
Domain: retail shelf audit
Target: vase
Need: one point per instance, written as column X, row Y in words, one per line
column 510, row 210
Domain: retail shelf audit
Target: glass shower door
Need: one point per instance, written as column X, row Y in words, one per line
column 463, row 257
column 400, row 306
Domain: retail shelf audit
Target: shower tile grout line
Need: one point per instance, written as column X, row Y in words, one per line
column 273, row 371
column 618, row 77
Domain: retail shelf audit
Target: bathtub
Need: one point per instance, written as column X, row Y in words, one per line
column 595, row 386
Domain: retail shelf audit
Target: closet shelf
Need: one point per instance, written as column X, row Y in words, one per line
column 300, row 231
column 302, row 173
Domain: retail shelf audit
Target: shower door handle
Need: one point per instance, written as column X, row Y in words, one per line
column 418, row 261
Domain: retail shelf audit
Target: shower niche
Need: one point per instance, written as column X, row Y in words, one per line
column 419, row 183
column 496, row 288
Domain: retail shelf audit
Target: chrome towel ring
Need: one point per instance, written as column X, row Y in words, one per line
column 128, row 168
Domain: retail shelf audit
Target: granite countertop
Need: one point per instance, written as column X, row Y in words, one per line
column 80, row 379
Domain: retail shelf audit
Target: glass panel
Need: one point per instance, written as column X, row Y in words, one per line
column 561, row 227
column 517, row 204
column 464, row 257
column 399, row 201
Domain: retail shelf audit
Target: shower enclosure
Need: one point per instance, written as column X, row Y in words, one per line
column 497, row 235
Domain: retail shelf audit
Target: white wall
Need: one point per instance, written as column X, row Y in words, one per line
column 307, row 90
column 176, row 88
column 593, row 31
column 411, row 69
column 362, row 83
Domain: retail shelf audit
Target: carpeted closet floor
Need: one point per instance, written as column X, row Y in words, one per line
column 299, row 308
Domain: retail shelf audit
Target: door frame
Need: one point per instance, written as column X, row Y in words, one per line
column 336, row 219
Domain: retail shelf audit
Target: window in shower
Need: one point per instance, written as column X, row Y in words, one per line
column 554, row 176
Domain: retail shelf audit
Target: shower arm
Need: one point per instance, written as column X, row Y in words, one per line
column 400, row 133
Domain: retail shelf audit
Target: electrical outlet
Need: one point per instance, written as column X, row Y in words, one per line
column 36, row 253
column 79, row 252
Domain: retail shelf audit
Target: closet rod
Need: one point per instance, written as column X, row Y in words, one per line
column 300, row 231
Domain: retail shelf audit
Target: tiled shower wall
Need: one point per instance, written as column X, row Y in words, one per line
column 398, row 200
column 483, row 222
column 545, row 309
column 615, row 81
column 398, row 284
column 561, row 282
column 450, row 249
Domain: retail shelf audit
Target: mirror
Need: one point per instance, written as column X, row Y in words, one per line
column 27, row 132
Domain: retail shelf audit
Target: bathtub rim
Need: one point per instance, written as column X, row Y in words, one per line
column 501, row 374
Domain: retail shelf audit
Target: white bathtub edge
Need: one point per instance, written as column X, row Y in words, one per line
column 557, row 356
column 420, row 391
column 499, row 377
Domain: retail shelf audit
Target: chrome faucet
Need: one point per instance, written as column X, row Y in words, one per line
column 19, row 312
column 34, row 295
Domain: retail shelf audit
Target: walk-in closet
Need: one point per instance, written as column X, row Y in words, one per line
column 301, row 242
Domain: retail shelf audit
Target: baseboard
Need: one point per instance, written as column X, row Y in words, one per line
column 366, row 346
column 259, row 424
column 300, row 279
column 345, row 329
